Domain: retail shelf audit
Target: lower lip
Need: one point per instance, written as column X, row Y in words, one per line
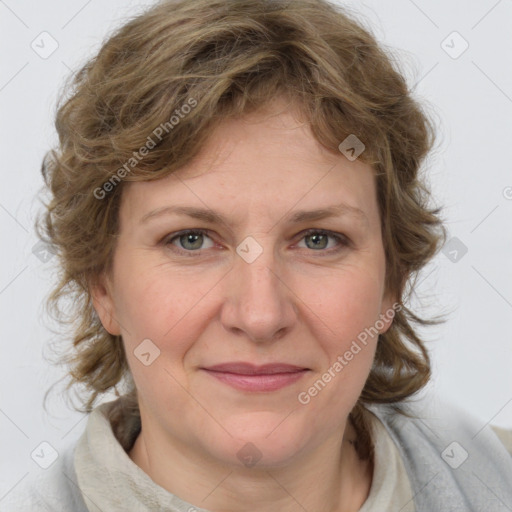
column 269, row 382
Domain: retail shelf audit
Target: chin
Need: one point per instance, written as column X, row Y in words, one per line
column 262, row 440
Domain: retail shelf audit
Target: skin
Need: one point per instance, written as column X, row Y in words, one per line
column 298, row 302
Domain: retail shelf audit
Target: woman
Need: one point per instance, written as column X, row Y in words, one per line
column 238, row 212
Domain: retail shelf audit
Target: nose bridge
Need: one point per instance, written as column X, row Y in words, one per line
column 259, row 304
column 260, row 279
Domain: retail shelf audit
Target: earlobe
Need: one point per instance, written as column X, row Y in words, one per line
column 104, row 305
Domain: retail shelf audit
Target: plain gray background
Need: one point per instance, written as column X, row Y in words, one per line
column 470, row 173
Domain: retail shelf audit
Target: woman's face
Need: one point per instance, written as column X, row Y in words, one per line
column 264, row 286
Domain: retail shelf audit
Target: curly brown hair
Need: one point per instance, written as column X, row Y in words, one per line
column 227, row 58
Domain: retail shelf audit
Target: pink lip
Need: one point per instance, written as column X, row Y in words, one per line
column 242, row 368
column 248, row 377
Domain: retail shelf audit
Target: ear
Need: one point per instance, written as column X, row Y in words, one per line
column 100, row 289
column 390, row 306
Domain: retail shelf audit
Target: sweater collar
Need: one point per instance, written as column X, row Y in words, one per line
column 109, row 479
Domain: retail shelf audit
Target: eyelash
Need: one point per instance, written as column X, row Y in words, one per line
column 342, row 240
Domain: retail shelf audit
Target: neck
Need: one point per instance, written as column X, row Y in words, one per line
column 331, row 478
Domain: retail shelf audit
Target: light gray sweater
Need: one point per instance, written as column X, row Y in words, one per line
column 452, row 464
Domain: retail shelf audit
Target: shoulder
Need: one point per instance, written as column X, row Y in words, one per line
column 452, row 458
column 439, row 418
column 441, row 421
column 47, row 490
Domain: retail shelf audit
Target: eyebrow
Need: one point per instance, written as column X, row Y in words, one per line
column 212, row 217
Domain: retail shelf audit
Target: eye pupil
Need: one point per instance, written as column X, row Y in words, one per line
column 193, row 238
column 318, row 239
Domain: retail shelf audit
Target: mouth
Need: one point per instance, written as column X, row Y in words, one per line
column 248, row 377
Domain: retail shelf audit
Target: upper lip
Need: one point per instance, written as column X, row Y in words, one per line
column 251, row 369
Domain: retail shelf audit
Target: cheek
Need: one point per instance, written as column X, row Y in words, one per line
column 347, row 312
column 152, row 298
column 346, row 303
column 160, row 305
column 171, row 309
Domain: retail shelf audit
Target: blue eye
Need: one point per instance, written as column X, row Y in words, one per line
column 320, row 240
column 192, row 241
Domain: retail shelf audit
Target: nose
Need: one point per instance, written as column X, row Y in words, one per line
column 260, row 304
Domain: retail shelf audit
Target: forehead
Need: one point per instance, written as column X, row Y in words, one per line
column 265, row 163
